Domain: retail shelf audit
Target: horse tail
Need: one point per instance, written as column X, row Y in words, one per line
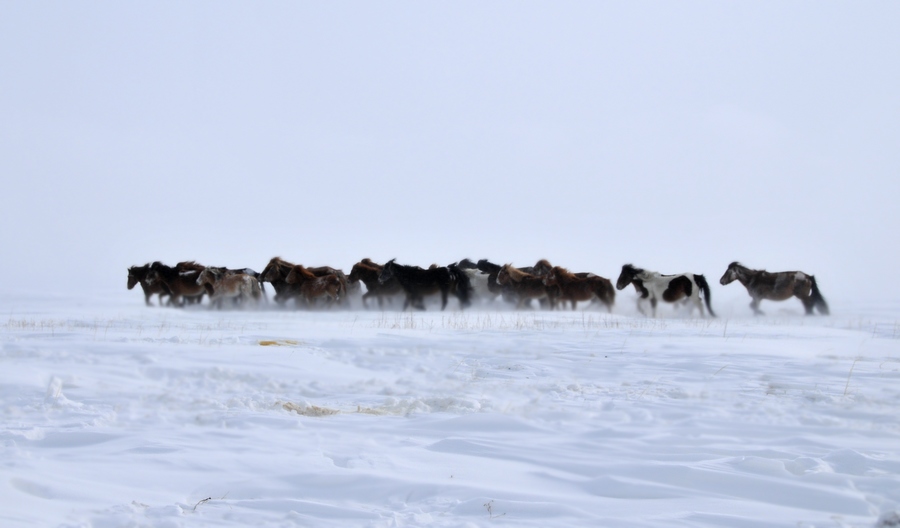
column 341, row 289
column 256, row 289
column 704, row 287
column 262, row 288
column 818, row 300
column 462, row 283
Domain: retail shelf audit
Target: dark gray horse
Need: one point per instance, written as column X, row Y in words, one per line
column 776, row 286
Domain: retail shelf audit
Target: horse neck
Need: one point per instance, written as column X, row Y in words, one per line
column 368, row 275
column 745, row 275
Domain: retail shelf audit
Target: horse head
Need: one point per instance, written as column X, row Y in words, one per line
column 734, row 272
column 272, row 271
column 487, row 266
column 542, row 267
column 550, row 277
column 355, row 274
column 503, row 275
column 135, row 274
column 387, row 272
column 466, row 264
column 629, row 272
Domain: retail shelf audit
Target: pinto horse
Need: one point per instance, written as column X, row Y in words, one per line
column 479, row 280
column 669, row 288
column 574, row 287
column 138, row 275
column 368, row 272
column 417, row 282
column 221, row 284
column 776, row 286
column 312, row 286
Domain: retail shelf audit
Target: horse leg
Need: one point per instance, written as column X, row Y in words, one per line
column 640, row 306
column 754, row 304
column 653, row 306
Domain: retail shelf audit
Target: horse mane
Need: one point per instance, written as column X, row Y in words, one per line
column 632, row 269
column 139, row 269
column 367, row 264
column 516, row 274
column 189, row 265
column 305, row 273
column 559, row 270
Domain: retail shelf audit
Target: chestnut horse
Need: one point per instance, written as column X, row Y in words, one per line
column 221, row 284
column 669, row 288
column 180, row 280
column 368, row 272
column 138, row 274
column 776, row 286
column 581, row 287
column 524, row 286
column 312, row 286
column 277, row 270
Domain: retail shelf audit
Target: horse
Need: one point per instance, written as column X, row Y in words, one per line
column 367, row 272
column 524, row 286
column 138, row 275
column 277, row 270
column 417, row 282
column 492, row 270
column 479, row 280
column 581, row 287
column 777, row 286
column 221, row 284
column 461, row 285
column 180, row 280
column 669, row 288
column 274, row 273
column 312, row 286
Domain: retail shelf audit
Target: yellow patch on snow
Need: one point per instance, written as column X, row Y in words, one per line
column 309, row 410
column 278, row 342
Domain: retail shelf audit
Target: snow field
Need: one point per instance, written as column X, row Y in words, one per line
column 120, row 415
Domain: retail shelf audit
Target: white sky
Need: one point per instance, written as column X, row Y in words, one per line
column 677, row 136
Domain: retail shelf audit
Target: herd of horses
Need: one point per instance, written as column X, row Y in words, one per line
column 550, row 286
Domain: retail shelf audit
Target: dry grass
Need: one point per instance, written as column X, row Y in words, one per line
column 309, row 410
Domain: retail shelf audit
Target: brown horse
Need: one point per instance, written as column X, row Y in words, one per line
column 180, row 280
column 581, row 287
column 277, row 270
column 776, row 286
column 524, row 286
column 138, row 275
column 368, row 272
column 221, row 284
column 313, row 287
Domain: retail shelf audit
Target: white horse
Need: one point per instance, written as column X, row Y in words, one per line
column 651, row 285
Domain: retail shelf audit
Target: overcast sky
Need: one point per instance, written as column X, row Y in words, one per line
column 675, row 135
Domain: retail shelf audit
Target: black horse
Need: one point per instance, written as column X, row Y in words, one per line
column 417, row 283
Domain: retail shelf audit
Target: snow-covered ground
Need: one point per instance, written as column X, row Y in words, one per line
column 115, row 414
